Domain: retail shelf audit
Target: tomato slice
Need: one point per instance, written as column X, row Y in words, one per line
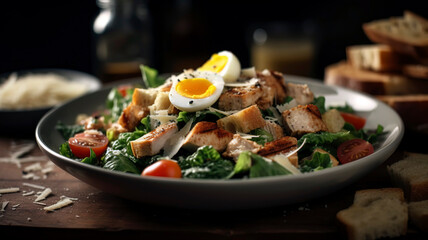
column 81, row 144
column 163, row 168
column 353, row 149
column 356, row 121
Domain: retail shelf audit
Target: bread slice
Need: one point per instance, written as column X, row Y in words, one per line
column 407, row 34
column 376, row 83
column 418, row 214
column 416, row 71
column 376, row 57
column 410, row 108
column 376, row 213
column 411, row 174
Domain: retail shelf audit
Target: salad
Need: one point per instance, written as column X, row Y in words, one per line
column 217, row 122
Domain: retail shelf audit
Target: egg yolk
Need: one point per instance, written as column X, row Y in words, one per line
column 196, row 88
column 215, row 64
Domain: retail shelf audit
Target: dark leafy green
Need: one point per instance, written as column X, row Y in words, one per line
column 369, row 136
column 265, row 168
column 68, row 131
column 263, row 136
column 118, row 161
column 116, row 103
column 320, row 103
column 207, row 163
column 324, row 140
column 243, row 164
column 65, row 150
column 92, row 159
column 150, row 76
column 347, row 108
column 318, row 162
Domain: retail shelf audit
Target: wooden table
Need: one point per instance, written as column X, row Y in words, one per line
column 98, row 214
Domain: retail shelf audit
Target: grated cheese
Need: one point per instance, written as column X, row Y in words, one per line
column 286, row 106
column 33, row 185
column 44, row 194
column 40, row 203
column 37, row 90
column 9, row 190
column 60, row 204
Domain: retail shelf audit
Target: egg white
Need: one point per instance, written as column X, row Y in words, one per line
column 232, row 70
column 192, row 104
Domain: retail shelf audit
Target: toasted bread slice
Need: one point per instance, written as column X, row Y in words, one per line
column 376, row 57
column 410, row 174
column 418, row 214
column 407, row 34
column 376, row 213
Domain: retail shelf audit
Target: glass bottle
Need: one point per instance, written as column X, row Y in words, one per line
column 123, row 39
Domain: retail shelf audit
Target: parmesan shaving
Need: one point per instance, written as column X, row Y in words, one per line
column 37, row 90
column 60, row 204
column 174, row 144
column 227, row 113
column 33, row 185
column 248, row 83
column 43, row 195
column 33, row 167
column 286, row 106
column 28, row 193
column 285, row 162
column 47, row 170
column 40, row 203
column 9, row 190
column 248, row 72
column 246, row 135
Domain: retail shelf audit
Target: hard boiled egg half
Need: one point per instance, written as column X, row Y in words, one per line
column 194, row 91
column 225, row 63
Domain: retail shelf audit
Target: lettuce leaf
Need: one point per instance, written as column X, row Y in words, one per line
column 318, row 162
column 151, row 79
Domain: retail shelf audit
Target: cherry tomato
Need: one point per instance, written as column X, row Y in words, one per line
column 353, row 149
column 357, row 121
column 163, row 168
column 81, row 144
column 123, row 89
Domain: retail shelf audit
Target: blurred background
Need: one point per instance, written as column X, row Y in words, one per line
column 110, row 38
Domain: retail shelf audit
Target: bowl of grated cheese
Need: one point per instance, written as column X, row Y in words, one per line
column 25, row 96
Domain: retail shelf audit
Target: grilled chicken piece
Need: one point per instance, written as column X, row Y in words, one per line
column 283, row 145
column 274, row 80
column 238, row 145
column 132, row 115
column 207, row 133
column 152, row 142
column 243, row 121
column 300, row 92
column 268, row 97
column 239, row 97
column 303, row 119
column 274, row 129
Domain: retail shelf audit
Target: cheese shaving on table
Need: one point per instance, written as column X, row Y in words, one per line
column 33, row 167
column 43, row 195
column 34, row 186
column 9, row 190
column 3, row 206
column 28, row 193
column 60, row 204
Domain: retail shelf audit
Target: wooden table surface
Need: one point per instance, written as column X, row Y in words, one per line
column 98, row 214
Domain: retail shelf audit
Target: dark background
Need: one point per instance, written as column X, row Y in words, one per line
column 58, row 34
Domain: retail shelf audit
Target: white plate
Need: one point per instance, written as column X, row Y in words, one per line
column 22, row 121
column 226, row 194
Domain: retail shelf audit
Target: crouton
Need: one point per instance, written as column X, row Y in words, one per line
column 152, row 142
column 303, row 119
column 243, row 121
column 207, row 133
column 144, row 97
column 333, row 120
